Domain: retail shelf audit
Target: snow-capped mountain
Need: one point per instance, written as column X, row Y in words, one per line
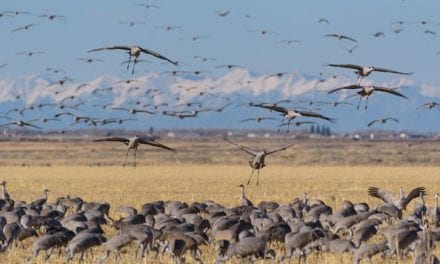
column 44, row 96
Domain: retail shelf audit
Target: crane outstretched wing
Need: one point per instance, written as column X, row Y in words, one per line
column 271, row 107
column 313, row 114
column 155, row 144
column 118, row 139
column 244, row 148
column 382, row 194
column 157, row 55
column 389, row 90
column 413, row 194
column 277, row 150
column 111, row 48
column 391, row 71
column 348, row 87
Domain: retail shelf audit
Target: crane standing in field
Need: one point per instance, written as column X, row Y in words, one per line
column 133, row 143
column 259, row 156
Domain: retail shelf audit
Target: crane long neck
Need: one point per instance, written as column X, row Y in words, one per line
column 436, row 205
column 5, row 193
column 242, row 192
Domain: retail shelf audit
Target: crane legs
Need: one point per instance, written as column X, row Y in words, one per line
column 126, row 156
column 359, row 103
column 279, row 128
column 134, row 164
column 258, row 177
column 134, row 64
column 250, row 177
column 129, row 60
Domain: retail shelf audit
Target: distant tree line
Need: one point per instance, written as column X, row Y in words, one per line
column 320, row 130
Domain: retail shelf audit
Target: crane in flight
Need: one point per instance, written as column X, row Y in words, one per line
column 135, row 51
column 258, row 158
column 133, row 143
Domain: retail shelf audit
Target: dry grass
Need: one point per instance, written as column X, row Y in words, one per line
column 191, row 183
column 305, row 152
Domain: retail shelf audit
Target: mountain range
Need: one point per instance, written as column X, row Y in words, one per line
column 194, row 91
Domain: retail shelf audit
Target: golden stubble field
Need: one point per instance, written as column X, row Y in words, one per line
column 197, row 181
column 135, row 187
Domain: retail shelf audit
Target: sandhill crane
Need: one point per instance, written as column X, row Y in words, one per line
column 383, row 120
column 81, row 242
column 229, row 66
column 52, row 16
column 115, row 244
column 25, row 27
column 5, row 192
column 131, row 23
column 368, row 251
column 259, row 156
column 401, row 202
column 420, row 208
column 340, row 37
column 168, row 27
column 379, row 34
column 90, row 60
column 367, row 91
column 289, row 41
column 435, row 212
column 133, row 143
column 133, row 110
column 263, row 31
column 364, row 71
column 29, row 53
column 222, row 13
column 42, row 201
column 254, row 247
column 257, row 119
column 48, row 242
column 290, row 114
column 21, row 123
column 324, row 20
column 135, row 51
column 244, row 200
column 430, row 105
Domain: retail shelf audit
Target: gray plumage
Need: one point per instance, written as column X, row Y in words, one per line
column 82, row 242
column 368, row 251
column 247, row 247
column 114, row 244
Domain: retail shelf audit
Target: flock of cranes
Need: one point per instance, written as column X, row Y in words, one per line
column 180, row 108
column 302, row 228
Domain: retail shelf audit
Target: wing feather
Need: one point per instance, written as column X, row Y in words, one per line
column 243, row 148
column 317, row 115
column 154, row 144
column 118, row 139
column 413, row 194
column 389, row 90
column 383, row 195
column 157, row 55
column 111, row 48
column 280, row 149
column 391, row 71
column 348, row 87
column 350, row 66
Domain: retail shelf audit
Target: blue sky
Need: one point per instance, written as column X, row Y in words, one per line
column 94, row 24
